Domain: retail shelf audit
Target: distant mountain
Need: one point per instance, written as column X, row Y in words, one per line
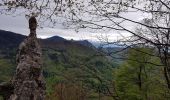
column 56, row 39
column 10, row 39
column 60, row 39
column 85, row 43
column 57, row 51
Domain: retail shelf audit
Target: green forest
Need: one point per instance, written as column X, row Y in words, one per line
column 77, row 72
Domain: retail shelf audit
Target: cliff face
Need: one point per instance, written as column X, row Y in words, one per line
column 28, row 82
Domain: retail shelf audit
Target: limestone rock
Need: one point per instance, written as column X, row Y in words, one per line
column 28, row 81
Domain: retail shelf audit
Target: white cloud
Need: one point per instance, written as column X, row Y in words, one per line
column 19, row 25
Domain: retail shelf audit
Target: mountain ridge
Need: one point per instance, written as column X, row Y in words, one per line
column 12, row 39
column 15, row 38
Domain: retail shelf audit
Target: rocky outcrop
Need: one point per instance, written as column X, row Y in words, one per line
column 28, row 81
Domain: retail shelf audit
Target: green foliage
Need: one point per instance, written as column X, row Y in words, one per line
column 1, row 98
column 75, row 73
column 139, row 78
column 76, row 66
column 74, row 69
column 6, row 70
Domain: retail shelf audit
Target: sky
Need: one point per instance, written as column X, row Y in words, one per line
column 19, row 24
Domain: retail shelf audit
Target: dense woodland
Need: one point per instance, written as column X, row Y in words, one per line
column 136, row 68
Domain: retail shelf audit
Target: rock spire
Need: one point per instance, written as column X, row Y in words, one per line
column 28, row 81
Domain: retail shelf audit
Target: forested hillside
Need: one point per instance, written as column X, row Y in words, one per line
column 72, row 70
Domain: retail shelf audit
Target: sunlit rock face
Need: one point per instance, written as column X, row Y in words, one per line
column 28, row 81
